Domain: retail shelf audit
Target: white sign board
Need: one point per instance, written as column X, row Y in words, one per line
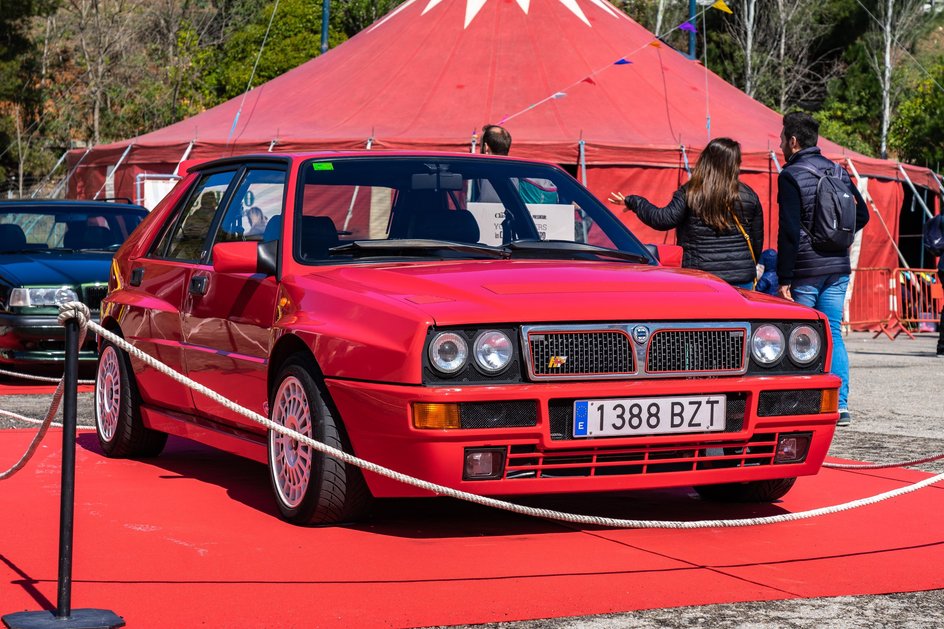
column 155, row 190
column 554, row 221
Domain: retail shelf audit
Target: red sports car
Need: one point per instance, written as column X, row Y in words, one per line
column 479, row 322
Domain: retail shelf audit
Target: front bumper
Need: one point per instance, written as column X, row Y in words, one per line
column 38, row 340
column 540, row 460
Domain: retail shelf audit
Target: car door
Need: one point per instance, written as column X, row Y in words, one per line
column 161, row 279
column 227, row 317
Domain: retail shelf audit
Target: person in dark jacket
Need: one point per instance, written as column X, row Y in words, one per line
column 808, row 276
column 719, row 220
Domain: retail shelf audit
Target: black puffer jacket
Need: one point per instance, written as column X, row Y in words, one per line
column 724, row 254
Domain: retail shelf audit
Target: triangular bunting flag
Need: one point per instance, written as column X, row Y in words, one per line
column 687, row 26
column 721, row 6
column 622, row 62
column 589, row 80
column 656, row 44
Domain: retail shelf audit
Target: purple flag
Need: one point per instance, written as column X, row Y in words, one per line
column 687, row 26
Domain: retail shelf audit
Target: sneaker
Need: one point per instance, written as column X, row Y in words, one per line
column 844, row 418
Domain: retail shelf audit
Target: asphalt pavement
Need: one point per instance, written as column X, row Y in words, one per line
column 897, row 405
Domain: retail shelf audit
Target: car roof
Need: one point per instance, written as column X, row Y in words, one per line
column 362, row 154
column 109, row 206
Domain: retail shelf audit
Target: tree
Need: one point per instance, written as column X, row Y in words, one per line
column 895, row 29
column 917, row 133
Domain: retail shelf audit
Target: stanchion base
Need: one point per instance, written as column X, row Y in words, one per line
column 80, row 619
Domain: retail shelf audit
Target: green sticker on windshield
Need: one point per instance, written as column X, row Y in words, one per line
column 322, row 166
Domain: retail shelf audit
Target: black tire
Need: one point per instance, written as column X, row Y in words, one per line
column 121, row 433
column 311, row 487
column 752, row 491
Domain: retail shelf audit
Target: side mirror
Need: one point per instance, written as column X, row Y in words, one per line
column 244, row 257
column 667, row 255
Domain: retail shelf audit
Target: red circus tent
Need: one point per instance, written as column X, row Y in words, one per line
column 576, row 82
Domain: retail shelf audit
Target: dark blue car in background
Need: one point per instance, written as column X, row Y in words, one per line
column 52, row 252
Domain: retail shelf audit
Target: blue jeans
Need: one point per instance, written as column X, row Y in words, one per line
column 827, row 293
column 745, row 285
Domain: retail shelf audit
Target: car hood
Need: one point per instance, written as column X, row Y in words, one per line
column 54, row 268
column 497, row 291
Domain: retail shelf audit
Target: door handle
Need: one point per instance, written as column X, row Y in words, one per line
column 136, row 276
column 199, row 285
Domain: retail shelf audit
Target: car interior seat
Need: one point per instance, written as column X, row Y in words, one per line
column 408, row 204
column 273, row 229
column 12, row 236
column 319, row 234
column 452, row 225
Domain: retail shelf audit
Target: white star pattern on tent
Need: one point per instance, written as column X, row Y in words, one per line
column 472, row 8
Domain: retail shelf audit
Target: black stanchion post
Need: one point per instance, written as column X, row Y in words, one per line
column 65, row 617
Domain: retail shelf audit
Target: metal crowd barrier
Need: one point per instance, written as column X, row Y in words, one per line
column 896, row 301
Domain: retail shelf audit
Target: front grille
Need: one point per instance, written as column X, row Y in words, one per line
column 528, row 462
column 93, row 294
column 675, row 351
column 562, row 416
column 581, row 353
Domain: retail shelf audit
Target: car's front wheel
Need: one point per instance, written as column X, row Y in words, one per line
column 121, row 433
column 752, row 491
column 311, row 487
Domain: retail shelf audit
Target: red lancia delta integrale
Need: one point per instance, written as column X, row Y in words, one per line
column 483, row 323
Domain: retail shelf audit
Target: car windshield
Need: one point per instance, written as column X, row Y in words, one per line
column 25, row 229
column 394, row 207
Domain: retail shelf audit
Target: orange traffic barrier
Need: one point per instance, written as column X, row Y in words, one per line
column 919, row 300
column 871, row 306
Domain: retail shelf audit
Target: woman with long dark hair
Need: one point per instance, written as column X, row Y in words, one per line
column 719, row 220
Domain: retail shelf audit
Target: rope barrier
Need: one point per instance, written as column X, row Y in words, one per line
column 882, row 466
column 80, row 312
column 27, row 376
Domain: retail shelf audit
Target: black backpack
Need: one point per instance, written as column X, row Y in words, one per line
column 834, row 211
column 934, row 235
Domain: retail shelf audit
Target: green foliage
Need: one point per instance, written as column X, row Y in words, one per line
column 918, row 131
column 294, row 38
column 850, row 114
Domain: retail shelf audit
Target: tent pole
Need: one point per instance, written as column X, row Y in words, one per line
column 583, row 162
column 688, row 169
column 350, row 209
column 69, row 174
column 113, row 170
column 773, row 156
column 37, row 188
column 914, row 191
column 870, row 201
column 184, row 157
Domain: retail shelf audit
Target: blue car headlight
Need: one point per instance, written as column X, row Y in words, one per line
column 36, row 297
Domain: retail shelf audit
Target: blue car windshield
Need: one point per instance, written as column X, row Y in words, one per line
column 395, row 206
column 25, row 229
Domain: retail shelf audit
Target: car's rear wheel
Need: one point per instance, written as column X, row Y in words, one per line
column 311, row 487
column 121, row 433
column 752, row 491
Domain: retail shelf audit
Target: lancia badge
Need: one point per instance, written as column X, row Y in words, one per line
column 640, row 334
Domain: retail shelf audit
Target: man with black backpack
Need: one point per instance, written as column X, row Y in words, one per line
column 933, row 237
column 820, row 212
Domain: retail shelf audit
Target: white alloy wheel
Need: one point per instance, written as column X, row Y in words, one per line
column 108, row 393
column 290, row 459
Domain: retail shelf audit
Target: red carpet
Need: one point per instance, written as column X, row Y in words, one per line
column 191, row 538
column 11, row 388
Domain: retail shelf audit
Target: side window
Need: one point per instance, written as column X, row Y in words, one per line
column 187, row 239
column 257, row 200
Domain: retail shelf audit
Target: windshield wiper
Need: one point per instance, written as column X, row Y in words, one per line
column 412, row 245
column 568, row 247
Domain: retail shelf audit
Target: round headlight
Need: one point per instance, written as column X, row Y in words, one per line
column 448, row 352
column 492, row 351
column 767, row 344
column 804, row 345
